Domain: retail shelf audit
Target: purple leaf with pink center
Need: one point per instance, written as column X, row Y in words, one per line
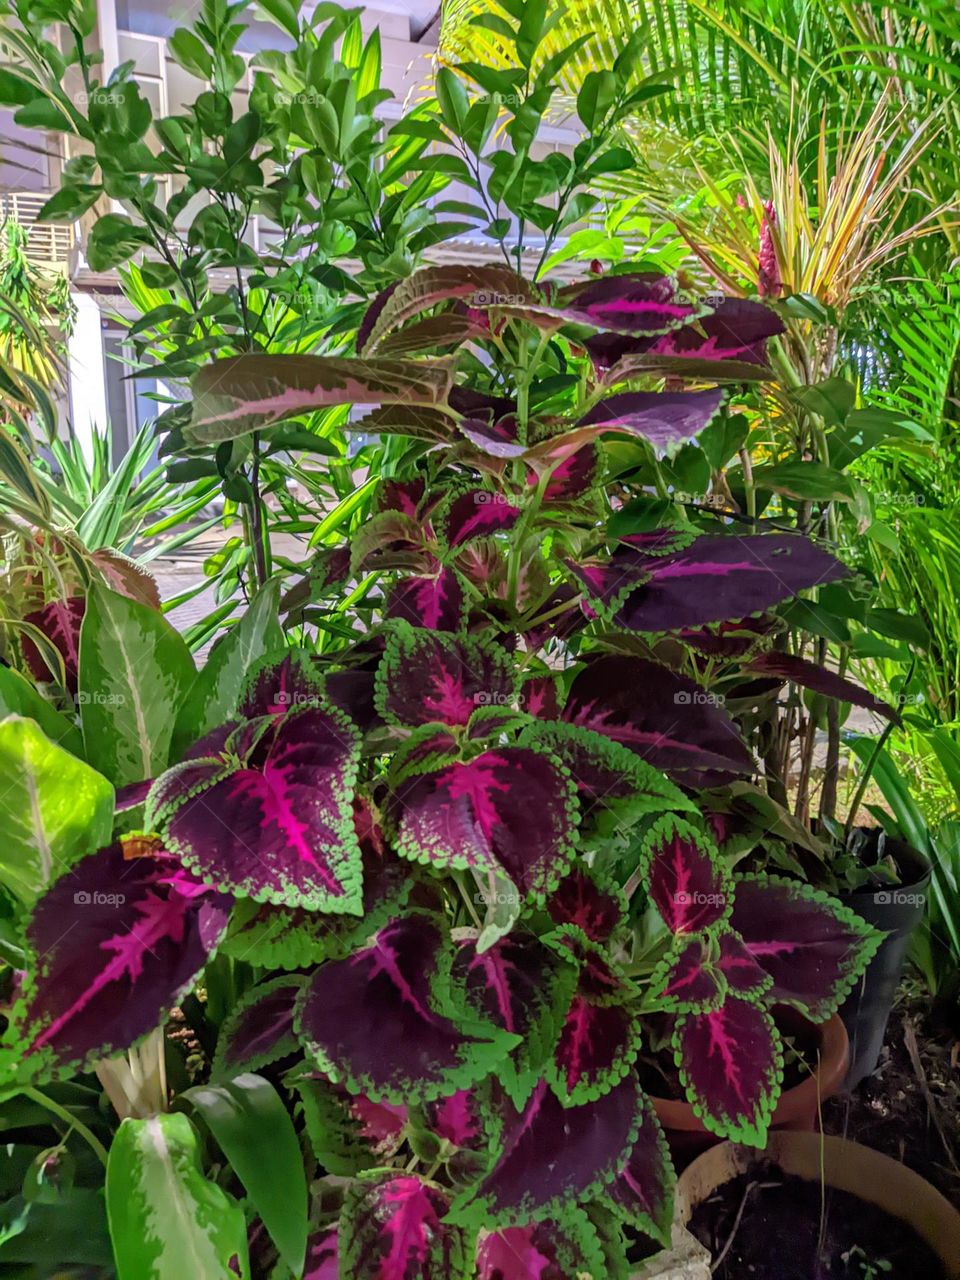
column 635, row 303
column 434, row 602
column 259, row 1029
column 685, row 878
column 574, row 476
column 477, row 815
column 541, row 1251
column 580, row 900
column 394, row 1227
column 118, row 941
column 376, row 1021
column 719, row 577
column 642, row 1193
column 686, row 981
column 731, row 1063
column 323, row 1258
column 554, row 1156
column 811, row 675
column 539, row 697
column 272, row 818
column 814, row 948
column 59, row 622
column 455, row 1118
column 597, row 1046
column 279, row 683
column 478, row 514
column 660, row 417
column 737, row 328
column 741, row 972
column 431, row 677
column 598, row 980
column 663, row 717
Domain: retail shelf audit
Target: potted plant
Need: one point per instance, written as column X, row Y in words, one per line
column 838, row 1209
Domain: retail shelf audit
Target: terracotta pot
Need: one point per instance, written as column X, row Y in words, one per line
column 798, row 1107
column 846, row 1166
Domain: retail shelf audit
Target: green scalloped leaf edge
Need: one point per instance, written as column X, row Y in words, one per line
column 286, row 1045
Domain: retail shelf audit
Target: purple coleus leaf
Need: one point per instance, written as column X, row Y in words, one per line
column 271, row 817
column 686, row 981
column 579, row 899
column 380, row 1123
column 259, row 1029
column 814, row 948
column 394, row 1226
column 118, row 941
column 811, row 675
column 684, row 877
column 434, row 602
column 455, row 1118
column 477, row 815
column 522, row 987
column 59, row 622
column 278, row 683
column 597, row 1046
column 431, row 677
column 719, row 577
column 552, row 1156
column 497, row 439
column 376, row 1021
column 737, row 328
column 731, row 1062
column 541, row 1251
column 539, row 697
column 642, row 1192
column 632, row 303
column 574, row 477
column 323, row 1257
column 663, row 717
column 661, row 417
column 478, row 514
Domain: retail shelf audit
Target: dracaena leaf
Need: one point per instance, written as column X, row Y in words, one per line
column 642, row 1192
column 814, row 948
column 478, row 514
column 378, row 1021
column 553, row 1156
column 719, row 577
column 541, row 1250
column 731, row 1064
column 118, row 941
column 684, row 877
column 434, row 601
column 663, row 717
column 259, row 1029
column 432, row 677
column 522, row 987
column 244, row 393
column 477, row 815
column 271, row 817
column 394, row 1227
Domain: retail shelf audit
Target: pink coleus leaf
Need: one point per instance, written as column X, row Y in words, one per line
column 477, row 815
column 539, row 697
column 381, row 1123
column 478, row 514
column 731, row 1063
column 394, row 1227
column 59, row 621
column 541, row 1250
column 455, row 1118
column 434, row 602
column 685, row 877
column 632, row 303
column 663, row 717
column 814, row 948
column 373, row 1020
column 736, row 329
column 118, row 941
column 642, row 1192
column 272, row 816
column 431, row 677
column 554, row 1156
column 323, row 1257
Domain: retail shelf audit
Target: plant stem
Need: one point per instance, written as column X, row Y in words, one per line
column 865, row 779
column 99, row 1150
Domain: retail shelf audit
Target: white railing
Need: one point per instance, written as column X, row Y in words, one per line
column 46, row 242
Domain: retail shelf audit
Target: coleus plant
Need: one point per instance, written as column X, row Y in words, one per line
column 445, row 832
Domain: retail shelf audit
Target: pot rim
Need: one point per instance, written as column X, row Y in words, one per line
column 834, row 1049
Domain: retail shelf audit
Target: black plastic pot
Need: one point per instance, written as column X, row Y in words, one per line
column 896, row 910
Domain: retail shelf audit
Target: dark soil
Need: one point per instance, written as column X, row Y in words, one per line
column 910, row 1107
column 777, row 1228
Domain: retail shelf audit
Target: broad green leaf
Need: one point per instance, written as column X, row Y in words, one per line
column 18, row 697
column 167, row 1221
column 54, row 809
column 213, row 694
column 804, row 480
column 135, row 670
column 255, row 1132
